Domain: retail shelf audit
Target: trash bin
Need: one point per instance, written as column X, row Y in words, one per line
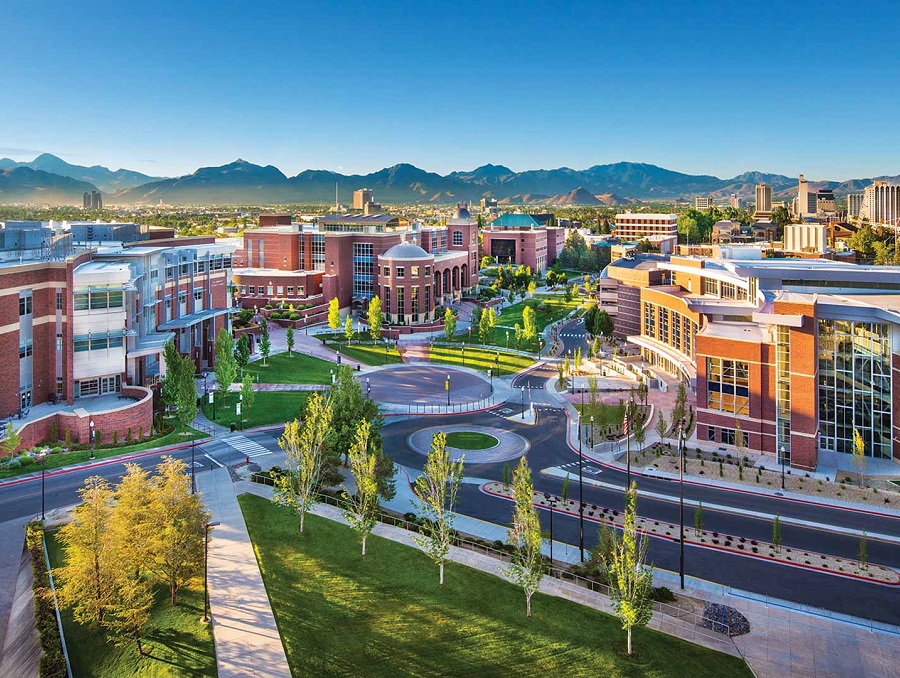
column 232, row 427
column 357, row 367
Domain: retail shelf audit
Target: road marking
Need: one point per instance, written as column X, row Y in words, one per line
column 245, row 446
column 214, row 461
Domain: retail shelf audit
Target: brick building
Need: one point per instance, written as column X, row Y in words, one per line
column 523, row 239
column 799, row 353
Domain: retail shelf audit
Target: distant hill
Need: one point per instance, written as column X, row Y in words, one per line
column 102, row 178
column 242, row 182
column 25, row 185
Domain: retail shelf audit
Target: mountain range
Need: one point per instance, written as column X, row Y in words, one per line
column 48, row 179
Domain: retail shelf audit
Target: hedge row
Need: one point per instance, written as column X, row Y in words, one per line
column 53, row 663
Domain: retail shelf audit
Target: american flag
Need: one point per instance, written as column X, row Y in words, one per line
column 625, row 423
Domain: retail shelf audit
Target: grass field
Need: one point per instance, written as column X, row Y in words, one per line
column 296, row 368
column 471, row 440
column 385, row 615
column 369, row 354
column 179, row 643
column 269, row 408
column 604, row 415
column 547, row 309
column 79, row 456
column 481, row 359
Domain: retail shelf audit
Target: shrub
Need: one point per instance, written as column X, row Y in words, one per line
column 128, row 435
column 268, row 307
column 26, row 459
column 13, row 463
column 662, row 594
column 53, row 663
column 56, row 450
column 116, row 437
column 294, row 316
column 54, row 431
column 141, row 433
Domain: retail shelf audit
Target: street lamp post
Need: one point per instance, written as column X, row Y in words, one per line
column 681, row 500
column 368, row 389
column 580, row 490
column 592, row 433
column 92, row 438
column 463, row 352
column 193, row 447
column 206, row 569
column 306, row 323
column 523, row 401
column 628, row 412
column 783, row 450
column 447, row 386
column 551, row 502
column 497, row 364
column 507, row 340
column 339, row 357
column 43, row 470
column 491, row 377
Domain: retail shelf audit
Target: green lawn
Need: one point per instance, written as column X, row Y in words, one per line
column 269, row 408
column 385, row 615
column 604, row 415
column 471, row 440
column 179, row 643
column 296, row 368
column 79, row 456
column 370, row 354
column 481, row 359
column 547, row 309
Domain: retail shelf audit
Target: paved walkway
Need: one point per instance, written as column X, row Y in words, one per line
column 247, row 640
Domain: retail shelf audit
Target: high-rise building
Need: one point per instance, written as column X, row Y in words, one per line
column 361, row 197
column 703, row 203
column 881, row 203
column 92, row 200
column 637, row 226
column 854, row 204
column 763, row 200
column 735, row 201
column 825, row 202
column 807, row 201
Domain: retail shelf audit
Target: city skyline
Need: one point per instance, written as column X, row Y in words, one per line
column 358, row 88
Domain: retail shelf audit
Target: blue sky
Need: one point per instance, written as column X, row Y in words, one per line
column 713, row 87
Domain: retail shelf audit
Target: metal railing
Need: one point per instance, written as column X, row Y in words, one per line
column 424, row 408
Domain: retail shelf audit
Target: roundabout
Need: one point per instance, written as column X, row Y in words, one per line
column 483, row 444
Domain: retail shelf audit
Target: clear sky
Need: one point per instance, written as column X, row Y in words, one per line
column 707, row 86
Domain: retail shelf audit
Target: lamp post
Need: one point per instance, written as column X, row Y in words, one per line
column 783, row 451
column 470, row 332
column 331, row 371
column 339, row 357
column 206, row 568
column 497, row 364
column 580, row 490
column 523, row 400
column 491, row 377
column 92, row 438
column 592, row 433
column 43, row 470
column 463, row 352
column 507, row 340
column 306, row 323
column 368, row 389
column 193, row 447
column 681, row 500
column 628, row 412
column 385, row 350
column 551, row 502
column 447, row 386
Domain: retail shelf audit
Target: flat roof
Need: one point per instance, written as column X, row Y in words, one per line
column 735, row 331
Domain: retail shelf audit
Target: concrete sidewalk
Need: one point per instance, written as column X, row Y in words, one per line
column 247, row 640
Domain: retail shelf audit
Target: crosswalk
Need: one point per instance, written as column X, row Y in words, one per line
column 245, row 446
column 572, row 335
column 586, row 468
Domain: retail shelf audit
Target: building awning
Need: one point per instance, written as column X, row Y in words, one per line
column 186, row 321
column 664, row 350
column 149, row 345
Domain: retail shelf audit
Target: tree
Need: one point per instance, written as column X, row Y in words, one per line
column 88, row 579
column 348, row 329
column 361, row 507
column 350, row 405
column 859, row 456
column 781, row 217
column 130, row 527
column 225, row 367
column 740, row 438
column 567, row 365
column 436, row 491
column 592, row 390
column 186, row 403
column 242, row 353
column 679, row 411
column 595, row 347
column 662, row 426
column 289, row 338
column 169, row 387
column 562, row 375
column 334, row 313
column 486, row 261
column 129, row 610
column 265, row 344
column 603, row 324
column 863, row 552
column 486, row 326
column 178, row 522
column 638, row 430
column 527, row 567
column 630, row 579
column 506, row 475
column 529, row 323
column 248, row 396
column 564, row 493
column 305, row 445
column 518, row 330
column 12, row 440
column 776, row 532
column 577, row 360
column 376, row 318
column 532, row 286
column 698, row 519
column 449, row 324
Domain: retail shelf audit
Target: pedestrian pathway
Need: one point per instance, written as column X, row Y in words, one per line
column 245, row 446
column 246, row 637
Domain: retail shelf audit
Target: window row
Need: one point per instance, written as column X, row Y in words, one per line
column 97, row 299
column 98, row 343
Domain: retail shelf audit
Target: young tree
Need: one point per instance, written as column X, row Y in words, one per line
column 361, row 507
column 169, row 387
column 595, row 347
column 532, row 286
column 186, row 402
column 662, row 427
column 179, row 525
column 486, row 326
column 593, row 390
column 859, row 457
column 348, row 329
column 88, row 579
column 698, row 519
column 436, row 491
column 265, row 344
column 449, row 324
column 506, row 475
column 564, row 493
column 638, row 430
column 305, row 445
column 130, row 526
column 562, row 375
column 242, row 353
column 575, row 291
column 630, row 579
column 518, row 330
column 567, row 293
column 248, row 397
column 740, row 439
column 225, row 367
column 527, row 567
column 289, row 338
column 529, row 324
column 863, row 552
column 567, row 365
column 376, row 318
column 129, row 611
column 11, row 442
column 679, row 411
column 334, row 313
column 776, row 532
column 577, row 360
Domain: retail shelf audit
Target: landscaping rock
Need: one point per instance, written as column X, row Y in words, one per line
column 725, row 620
